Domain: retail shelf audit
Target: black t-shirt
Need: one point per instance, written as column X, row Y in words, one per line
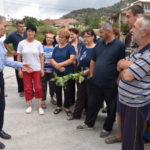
column 106, row 57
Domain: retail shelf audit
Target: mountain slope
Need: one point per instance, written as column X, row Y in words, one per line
column 101, row 12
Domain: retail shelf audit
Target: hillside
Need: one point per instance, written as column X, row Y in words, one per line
column 101, row 12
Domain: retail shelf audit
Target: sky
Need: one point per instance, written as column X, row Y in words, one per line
column 51, row 9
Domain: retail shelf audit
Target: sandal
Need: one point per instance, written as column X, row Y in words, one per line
column 69, row 115
column 54, row 102
column 44, row 106
column 112, row 140
column 57, row 111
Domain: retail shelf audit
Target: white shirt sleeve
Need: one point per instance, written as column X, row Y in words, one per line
column 19, row 48
column 41, row 50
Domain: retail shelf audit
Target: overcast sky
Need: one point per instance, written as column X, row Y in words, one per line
column 49, row 8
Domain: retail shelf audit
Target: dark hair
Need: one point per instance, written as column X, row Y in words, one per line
column 31, row 27
column 44, row 41
column 19, row 22
column 74, row 30
column 90, row 32
column 136, row 9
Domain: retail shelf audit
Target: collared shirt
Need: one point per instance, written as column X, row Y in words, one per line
column 106, row 57
column 4, row 61
column 85, row 58
column 14, row 38
column 136, row 93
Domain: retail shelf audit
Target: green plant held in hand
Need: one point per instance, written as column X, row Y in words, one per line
column 62, row 81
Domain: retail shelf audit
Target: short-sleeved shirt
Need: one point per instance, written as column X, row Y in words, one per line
column 106, row 57
column 85, row 58
column 136, row 93
column 30, row 52
column 14, row 38
column 63, row 54
column 79, row 47
column 48, row 68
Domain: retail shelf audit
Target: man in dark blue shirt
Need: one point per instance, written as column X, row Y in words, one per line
column 14, row 38
column 103, row 73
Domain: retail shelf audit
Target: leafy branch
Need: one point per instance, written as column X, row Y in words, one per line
column 62, row 81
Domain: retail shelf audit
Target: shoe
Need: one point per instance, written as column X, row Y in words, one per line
column 29, row 110
column 41, row 111
column 5, row 135
column 104, row 133
column 84, row 127
column 112, row 140
column 21, row 94
column 2, row 146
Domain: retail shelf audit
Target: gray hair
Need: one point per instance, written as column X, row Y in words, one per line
column 2, row 19
column 145, row 22
column 106, row 26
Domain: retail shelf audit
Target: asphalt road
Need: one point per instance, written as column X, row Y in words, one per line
column 48, row 132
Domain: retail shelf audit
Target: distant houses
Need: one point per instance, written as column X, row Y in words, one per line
column 60, row 22
column 120, row 18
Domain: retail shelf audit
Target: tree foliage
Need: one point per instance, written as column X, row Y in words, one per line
column 32, row 20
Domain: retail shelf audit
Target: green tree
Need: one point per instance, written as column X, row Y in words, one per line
column 95, row 22
column 32, row 20
column 125, row 28
column 86, row 20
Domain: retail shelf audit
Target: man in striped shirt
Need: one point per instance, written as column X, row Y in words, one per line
column 134, row 87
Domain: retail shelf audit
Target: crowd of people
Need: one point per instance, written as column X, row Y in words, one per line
column 116, row 72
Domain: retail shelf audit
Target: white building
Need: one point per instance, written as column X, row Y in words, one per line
column 145, row 4
column 120, row 18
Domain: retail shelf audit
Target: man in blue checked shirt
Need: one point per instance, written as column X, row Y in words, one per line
column 4, row 61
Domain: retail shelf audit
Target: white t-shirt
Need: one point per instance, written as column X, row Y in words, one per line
column 30, row 52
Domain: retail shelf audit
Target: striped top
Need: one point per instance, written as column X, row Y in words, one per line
column 136, row 93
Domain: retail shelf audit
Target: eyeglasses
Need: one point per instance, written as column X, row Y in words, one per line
column 87, row 36
column 62, row 37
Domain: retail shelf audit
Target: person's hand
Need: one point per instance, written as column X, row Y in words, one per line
column 58, row 66
column 20, row 74
column 86, row 72
column 42, row 73
column 62, row 69
column 123, row 64
column 27, row 68
column 14, row 52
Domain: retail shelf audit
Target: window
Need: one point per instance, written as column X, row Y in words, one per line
column 147, row 6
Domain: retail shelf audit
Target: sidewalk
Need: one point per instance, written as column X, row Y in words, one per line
column 48, row 132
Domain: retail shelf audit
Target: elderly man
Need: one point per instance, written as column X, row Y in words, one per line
column 134, row 87
column 132, row 13
column 103, row 72
column 4, row 61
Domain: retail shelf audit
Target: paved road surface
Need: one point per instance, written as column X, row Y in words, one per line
column 48, row 132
